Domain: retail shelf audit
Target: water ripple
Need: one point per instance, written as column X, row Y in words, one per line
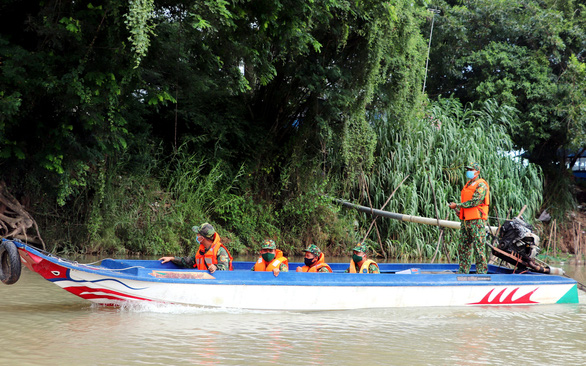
column 43, row 325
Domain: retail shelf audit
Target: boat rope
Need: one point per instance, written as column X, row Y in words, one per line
column 581, row 286
column 77, row 264
column 107, row 269
column 50, row 255
column 118, row 269
column 99, row 260
column 100, row 268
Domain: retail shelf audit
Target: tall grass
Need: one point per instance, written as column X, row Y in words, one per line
column 148, row 206
column 437, row 148
column 130, row 212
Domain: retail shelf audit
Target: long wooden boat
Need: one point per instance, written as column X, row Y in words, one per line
column 114, row 282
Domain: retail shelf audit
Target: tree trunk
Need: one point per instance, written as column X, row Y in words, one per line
column 15, row 220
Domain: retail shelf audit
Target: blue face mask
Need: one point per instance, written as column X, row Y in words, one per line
column 470, row 174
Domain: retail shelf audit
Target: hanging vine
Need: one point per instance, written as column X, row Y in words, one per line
column 139, row 24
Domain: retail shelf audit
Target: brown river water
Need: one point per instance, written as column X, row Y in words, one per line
column 40, row 324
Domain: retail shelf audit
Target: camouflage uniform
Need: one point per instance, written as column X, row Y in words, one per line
column 270, row 244
column 473, row 232
column 313, row 249
column 189, row 262
column 372, row 268
column 283, row 268
column 323, row 269
column 207, row 231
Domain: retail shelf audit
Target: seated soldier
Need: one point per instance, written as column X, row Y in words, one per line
column 271, row 259
column 314, row 261
column 212, row 254
column 360, row 262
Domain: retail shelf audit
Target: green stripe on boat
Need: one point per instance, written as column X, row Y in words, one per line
column 571, row 297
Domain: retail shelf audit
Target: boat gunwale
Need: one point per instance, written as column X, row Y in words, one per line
column 338, row 278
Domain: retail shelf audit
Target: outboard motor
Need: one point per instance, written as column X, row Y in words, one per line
column 519, row 246
column 517, row 237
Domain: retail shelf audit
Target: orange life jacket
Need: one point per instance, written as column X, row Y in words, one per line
column 363, row 267
column 477, row 212
column 262, row 265
column 320, row 263
column 210, row 256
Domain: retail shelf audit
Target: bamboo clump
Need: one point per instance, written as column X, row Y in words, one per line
column 430, row 156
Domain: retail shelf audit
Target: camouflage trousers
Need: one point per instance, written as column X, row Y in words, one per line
column 473, row 243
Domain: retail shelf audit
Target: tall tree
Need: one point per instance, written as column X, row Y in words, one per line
column 277, row 82
column 523, row 53
column 279, row 86
column 66, row 89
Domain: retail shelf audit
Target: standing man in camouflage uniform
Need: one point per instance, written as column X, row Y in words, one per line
column 473, row 211
column 212, row 254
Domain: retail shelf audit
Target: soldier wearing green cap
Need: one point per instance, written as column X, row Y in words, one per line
column 473, row 211
column 271, row 259
column 360, row 262
column 314, row 261
column 212, row 254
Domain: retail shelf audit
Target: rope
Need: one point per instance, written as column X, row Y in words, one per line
column 90, row 265
column 118, row 269
column 99, row 267
column 581, row 286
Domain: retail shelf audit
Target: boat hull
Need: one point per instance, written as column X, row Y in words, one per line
column 117, row 281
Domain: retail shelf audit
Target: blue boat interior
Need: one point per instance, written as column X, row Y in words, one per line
column 402, row 274
column 388, row 268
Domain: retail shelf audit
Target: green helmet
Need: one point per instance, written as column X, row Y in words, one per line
column 268, row 244
column 313, row 249
column 206, row 230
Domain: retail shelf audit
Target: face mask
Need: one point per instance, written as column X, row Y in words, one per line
column 356, row 258
column 268, row 256
column 309, row 262
column 470, row 174
column 197, row 239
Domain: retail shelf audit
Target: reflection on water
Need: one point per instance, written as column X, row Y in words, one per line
column 44, row 325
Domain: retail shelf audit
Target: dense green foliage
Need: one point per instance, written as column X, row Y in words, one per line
column 525, row 54
column 66, row 84
column 124, row 123
column 431, row 154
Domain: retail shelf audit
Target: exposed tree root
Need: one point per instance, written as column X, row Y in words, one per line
column 15, row 221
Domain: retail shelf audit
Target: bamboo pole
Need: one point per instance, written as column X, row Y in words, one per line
column 521, row 212
column 380, row 242
column 441, row 231
column 549, row 243
column 575, row 239
column 578, row 241
column 407, row 218
column 374, row 220
column 555, row 236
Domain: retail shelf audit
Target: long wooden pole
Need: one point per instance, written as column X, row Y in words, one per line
column 407, row 218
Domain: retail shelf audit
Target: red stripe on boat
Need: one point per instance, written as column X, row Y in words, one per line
column 91, row 293
column 525, row 299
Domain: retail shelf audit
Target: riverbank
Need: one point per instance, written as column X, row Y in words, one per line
column 565, row 242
